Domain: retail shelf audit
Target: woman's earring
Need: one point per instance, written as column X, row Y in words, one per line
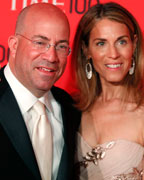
column 132, row 69
column 88, row 70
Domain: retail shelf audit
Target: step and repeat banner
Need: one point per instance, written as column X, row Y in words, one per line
column 74, row 9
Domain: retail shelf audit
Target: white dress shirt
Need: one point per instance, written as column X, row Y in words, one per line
column 26, row 100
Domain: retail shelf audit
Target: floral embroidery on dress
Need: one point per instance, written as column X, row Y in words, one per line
column 96, row 154
column 135, row 175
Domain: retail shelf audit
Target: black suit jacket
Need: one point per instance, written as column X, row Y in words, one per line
column 17, row 159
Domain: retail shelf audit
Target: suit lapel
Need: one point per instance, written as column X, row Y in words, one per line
column 64, row 168
column 13, row 123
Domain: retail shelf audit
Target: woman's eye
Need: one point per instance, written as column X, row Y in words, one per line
column 122, row 41
column 100, row 43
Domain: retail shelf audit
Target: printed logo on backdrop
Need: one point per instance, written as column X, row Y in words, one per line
column 74, row 5
column 25, row 3
column 85, row 3
column 3, row 53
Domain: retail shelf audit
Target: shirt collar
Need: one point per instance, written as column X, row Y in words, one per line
column 46, row 99
column 24, row 97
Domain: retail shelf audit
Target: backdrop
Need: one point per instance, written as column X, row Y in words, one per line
column 74, row 9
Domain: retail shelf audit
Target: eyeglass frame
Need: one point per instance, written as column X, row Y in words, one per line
column 47, row 46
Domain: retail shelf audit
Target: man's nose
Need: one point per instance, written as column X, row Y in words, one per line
column 50, row 54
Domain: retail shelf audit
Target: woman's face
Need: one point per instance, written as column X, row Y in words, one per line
column 111, row 50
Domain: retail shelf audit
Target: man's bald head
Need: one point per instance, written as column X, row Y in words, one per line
column 34, row 10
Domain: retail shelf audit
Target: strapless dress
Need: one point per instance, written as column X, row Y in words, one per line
column 115, row 160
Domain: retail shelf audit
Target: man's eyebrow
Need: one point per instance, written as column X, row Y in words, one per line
column 42, row 37
column 47, row 39
column 63, row 41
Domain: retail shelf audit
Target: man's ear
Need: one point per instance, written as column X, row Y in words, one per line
column 13, row 43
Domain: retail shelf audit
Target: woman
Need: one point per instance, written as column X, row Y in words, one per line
column 108, row 60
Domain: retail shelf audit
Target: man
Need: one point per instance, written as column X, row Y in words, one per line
column 38, row 57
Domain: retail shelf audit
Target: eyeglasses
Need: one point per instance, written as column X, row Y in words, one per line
column 62, row 48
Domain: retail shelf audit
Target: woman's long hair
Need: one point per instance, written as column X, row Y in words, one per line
column 89, row 90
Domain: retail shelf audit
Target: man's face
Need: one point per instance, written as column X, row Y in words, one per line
column 35, row 69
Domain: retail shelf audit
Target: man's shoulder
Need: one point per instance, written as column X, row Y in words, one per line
column 65, row 101
column 61, row 95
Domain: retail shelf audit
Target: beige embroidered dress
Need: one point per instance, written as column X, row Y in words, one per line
column 115, row 160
